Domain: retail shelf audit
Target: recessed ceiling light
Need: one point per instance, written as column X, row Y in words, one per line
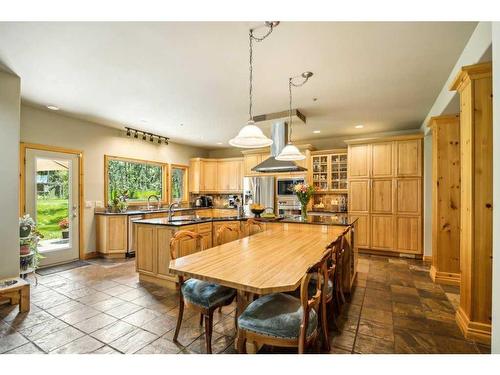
column 53, row 108
column 316, row 131
column 315, row 99
column 359, row 126
column 219, row 143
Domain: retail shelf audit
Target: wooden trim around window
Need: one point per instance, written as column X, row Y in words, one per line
column 185, row 198
column 22, row 184
column 164, row 183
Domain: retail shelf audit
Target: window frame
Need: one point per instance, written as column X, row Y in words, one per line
column 185, row 197
column 164, row 183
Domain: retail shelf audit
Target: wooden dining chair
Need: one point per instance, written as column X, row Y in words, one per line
column 202, row 296
column 253, row 226
column 222, row 231
column 280, row 319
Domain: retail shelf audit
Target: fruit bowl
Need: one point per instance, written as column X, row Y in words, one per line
column 257, row 211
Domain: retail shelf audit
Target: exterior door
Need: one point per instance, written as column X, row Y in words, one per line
column 52, row 200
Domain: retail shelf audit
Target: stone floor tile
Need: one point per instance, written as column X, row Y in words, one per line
column 413, row 342
column 123, row 310
column 219, row 344
column 94, row 323
column 118, row 290
column 344, row 340
column 160, row 325
column 90, row 299
column 79, row 315
column 107, row 304
column 161, row 346
column 106, row 350
column 376, row 329
column 367, row 344
column 450, row 345
column 42, row 329
column 113, row 331
column 65, row 308
column 83, row 345
column 375, row 315
column 28, row 348
column 11, row 341
column 57, row 339
column 26, row 320
column 141, row 317
column 133, row 341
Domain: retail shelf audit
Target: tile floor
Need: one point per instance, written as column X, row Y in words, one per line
column 103, row 309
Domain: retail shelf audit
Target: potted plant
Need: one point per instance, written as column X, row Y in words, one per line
column 304, row 192
column 26, row 224
column 119, row 200
column 64, row 225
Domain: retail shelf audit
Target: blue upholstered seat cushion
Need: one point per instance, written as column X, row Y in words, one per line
column 205, row 294
column 277, row 315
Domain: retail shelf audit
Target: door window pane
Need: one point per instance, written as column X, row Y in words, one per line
column 178, row 180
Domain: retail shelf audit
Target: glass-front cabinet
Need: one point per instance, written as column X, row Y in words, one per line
column 329, row 171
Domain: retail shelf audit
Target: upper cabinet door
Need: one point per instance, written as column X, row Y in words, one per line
column 409, row 158
column 250, row 161
column 358, row 156
column 359, row 196
column 381, row 160
column 209, row 175
column 409, row 196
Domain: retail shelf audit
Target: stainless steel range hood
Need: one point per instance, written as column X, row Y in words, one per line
column 279, row 135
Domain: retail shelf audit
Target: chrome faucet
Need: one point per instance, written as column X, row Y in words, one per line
column 172, row 205
column 157, row 199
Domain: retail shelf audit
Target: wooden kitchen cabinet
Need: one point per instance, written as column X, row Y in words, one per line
column 382, row 159
column 227, row 236
column 382, row 232
column 111, row 235
column 215, row 175
column 329, row 170
column 381, row 196
column 359, row 196
column 358, row 161
column 362, row 230
column 409, row 158
column 385, row 189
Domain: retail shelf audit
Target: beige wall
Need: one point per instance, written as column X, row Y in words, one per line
column 54, row 129
column 10, row 86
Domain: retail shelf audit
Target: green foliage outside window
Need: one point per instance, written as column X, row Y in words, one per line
column 140, row 180
column 178, row 176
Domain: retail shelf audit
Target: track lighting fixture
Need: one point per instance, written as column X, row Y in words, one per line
column 136, row 132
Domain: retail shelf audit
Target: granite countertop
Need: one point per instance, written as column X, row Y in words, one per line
column 157, row 210
column 316, row 220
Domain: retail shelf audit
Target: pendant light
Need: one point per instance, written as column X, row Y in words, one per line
column 251, row 136
column 290, row 152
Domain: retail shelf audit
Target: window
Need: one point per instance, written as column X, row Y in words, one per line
column 138, row 178
column 178, row 183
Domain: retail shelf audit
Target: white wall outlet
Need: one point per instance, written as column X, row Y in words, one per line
column 88, row 204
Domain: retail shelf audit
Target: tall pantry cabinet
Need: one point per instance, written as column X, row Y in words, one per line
column 385, row 193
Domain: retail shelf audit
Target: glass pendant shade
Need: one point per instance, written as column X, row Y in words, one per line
column 290, row 153
column 250, row 136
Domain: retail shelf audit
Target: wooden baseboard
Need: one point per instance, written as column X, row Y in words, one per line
column 91, row 255
column 157, row 281
column 427, row 258
column 112, row 255
column 480, row 332
column 389, row 253
column 446, row 278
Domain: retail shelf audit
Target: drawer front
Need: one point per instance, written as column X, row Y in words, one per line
column 205, row 227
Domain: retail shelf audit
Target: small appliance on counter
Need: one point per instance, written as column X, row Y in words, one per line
column 232, row 201
column 206, row 201
column 198, row 202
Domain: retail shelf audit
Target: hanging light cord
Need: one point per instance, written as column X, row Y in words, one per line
column 290, row 84
column 251, row 38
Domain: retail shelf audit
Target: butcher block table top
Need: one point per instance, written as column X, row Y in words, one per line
column 267, row 262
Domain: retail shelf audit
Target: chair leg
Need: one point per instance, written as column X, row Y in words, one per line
column 333, row 316
column 241, row 341
column 324, row 326
column 220, row 309
column 201, row 319
column 208, row 331
column 179, row 318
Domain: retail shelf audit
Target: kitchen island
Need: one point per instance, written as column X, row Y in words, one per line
column 153, row 240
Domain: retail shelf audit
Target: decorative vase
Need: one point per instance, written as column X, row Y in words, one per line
column 24, row 249
column 303, row 211
column 65, row 234
column 24, row 231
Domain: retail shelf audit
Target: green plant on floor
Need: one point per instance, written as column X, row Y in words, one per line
column 28, row 244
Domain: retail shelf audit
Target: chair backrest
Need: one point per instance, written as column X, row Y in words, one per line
column 320, row 271
column 251, row 224
column 183, row 235
column 225, row 228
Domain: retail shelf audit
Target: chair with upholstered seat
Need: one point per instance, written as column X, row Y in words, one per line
column 253, row 226
column 280, row 319
column 202, row 296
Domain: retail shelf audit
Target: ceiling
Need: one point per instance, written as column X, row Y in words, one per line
column 189, row 80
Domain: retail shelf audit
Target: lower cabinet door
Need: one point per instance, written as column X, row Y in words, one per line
column 207, row 240
column 362, row 234
column 382, row 232
column 146, row 249
column 409, row 234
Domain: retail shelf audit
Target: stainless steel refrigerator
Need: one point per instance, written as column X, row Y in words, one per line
column 258, row 190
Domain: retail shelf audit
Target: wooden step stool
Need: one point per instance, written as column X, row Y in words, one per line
column 18, row 293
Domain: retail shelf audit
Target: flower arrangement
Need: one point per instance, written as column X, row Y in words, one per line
column 28, row 244
column 64, row 224
column 304, row 192
column 26, row 224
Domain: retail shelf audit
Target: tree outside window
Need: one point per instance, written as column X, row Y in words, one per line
column 178, row 183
